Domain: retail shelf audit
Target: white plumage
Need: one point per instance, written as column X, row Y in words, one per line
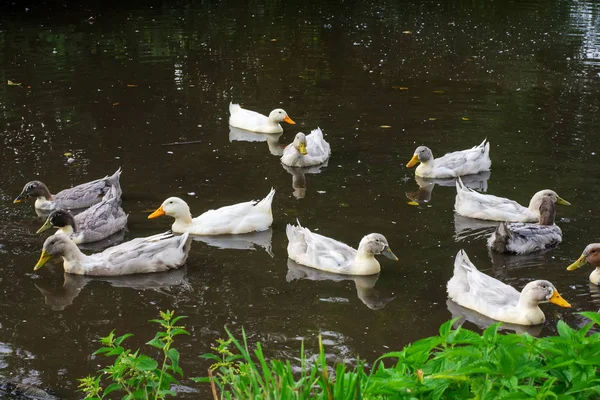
column 306, row 150
column 255, row 122
column 450, row 165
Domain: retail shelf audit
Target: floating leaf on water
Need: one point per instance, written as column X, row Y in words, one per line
column 432, row 119
column 321, row 191
column 68, row 154
column 469, row 59
column 131, row 85
column 439, row 91
column 385, row 126
column 400, row 87
column 412, row 203
column 116, row 103
column 344, row 205
column 465, row 118
column 407, row 32
column 274, row 40
column 11, row 83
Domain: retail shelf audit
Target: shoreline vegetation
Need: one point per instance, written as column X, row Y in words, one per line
column 458, row 363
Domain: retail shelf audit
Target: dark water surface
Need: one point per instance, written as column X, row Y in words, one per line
column 114, row 84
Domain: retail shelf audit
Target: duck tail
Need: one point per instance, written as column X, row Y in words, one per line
column 459, row 282
column 499, row 239
column 115, row 181
column 265, row 204
column 233, row 107
column 184, row 239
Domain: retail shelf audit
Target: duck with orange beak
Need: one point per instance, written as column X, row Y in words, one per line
column 256, row 122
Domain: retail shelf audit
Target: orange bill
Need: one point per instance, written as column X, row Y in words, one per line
column 158, row 213
column 289, row 120
column 558, row 300
column 413, row 161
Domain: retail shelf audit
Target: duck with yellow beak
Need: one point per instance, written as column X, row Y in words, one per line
column 451, row 165
column 306, row 150
column 156, row 253
column 590, row 255
column 477, row 291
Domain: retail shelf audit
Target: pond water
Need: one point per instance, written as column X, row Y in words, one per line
column 146, row 86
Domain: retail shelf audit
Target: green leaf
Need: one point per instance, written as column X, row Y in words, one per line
column 592, row 316
column 120, row 339
column 145, row 363
column 112, row 387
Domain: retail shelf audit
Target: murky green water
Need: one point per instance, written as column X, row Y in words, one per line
column 117, row 84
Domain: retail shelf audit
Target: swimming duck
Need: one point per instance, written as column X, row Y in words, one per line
column 591, row 254
column 95, row 223
column 458, row 163
column 470, row 203
column 81, row 196
column 320, row 252
column 477, row 291
column 238, row 218
column 156, row 253
column 255, row 122
column 523, row 237
column 306, row 150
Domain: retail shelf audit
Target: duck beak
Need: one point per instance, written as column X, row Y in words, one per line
column 388, row 253
column 289, row 120
column 558, row 300
column 43, row 260
column 158, row 213
column 19, row 198
column 302, row 149
column 578, row 264
column 47, row 225
column 413, row 161
column 562, row 201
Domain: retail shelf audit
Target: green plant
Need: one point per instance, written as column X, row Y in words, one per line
column 135, row 375
column 456, row 364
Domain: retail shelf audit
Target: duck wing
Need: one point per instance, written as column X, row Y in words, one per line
column 86, row 194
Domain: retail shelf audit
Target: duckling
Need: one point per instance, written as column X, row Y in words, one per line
column 458, row 163
column 306, row 151
column 244, row 217
column 320, row 252
column 156, row 253
column 591, row 254
column 255, row 122
column 523, row 237
column 477, row 291
column 77, row 197
column 95, row 223
column 470, row 203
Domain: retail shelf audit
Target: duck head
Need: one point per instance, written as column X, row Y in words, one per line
column 55, row 246
column 173, row 207
column 300, row 143
column 279, row 115
column 59, row 219
column 536, row 200
column 422, row 154
column 591, row 254
column 34, row 189
column 376, row 243
column 542, row 291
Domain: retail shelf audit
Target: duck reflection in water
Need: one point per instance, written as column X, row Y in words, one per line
column 60, row 298
column 299, row 177
column 465, row 314
column 365, row 285
column 272, row 139
column 244, row 241
column 423, row 193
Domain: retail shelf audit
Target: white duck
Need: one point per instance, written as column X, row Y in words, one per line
column 77, row 197
column 255, row 122
column 238, row 218
column 470, row 203
column 156, row 253
column 95, row 223
column 320, row 252
column 458, row 163
column 306, row 150
column 477, row 291
column 525, row 237
column 591, row 254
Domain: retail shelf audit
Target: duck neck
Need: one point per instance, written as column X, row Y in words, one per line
column 595, row 276
column 365, row 263
column 530, row 310
column 43, row 202
column 73, row 260
column 182, row 222
column 66, row 230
